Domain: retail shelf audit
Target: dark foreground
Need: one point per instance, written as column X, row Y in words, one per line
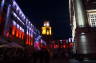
column 50, row 60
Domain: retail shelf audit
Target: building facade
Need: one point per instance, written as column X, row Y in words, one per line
column 83, row 22
column 91, row 14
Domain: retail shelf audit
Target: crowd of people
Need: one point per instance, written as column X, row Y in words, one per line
column 41, row 56
column 37, row 56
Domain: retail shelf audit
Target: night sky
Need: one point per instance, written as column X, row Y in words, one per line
column 56, row 11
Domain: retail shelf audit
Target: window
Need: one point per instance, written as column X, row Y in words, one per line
column 14, row 28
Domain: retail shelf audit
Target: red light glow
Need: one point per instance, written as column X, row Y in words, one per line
column 64, row 46
column 1, row 19
column 17, row 33
column 71, row 44
column 13, row 30
column 22, row 35
column 7, row 34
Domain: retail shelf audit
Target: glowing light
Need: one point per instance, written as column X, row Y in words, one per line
column 31, row 43
column 13, row 30
column 70, row 40
column 22, row 36
column 2, row 3
column 71, row 44
column 27, row 42
column 18, row 26
column 46, row 23
column 64, row 46
column 37, row 45
column 17, row 17
column 60, row 40
column 7, row 34
column 80, row 14
column 82, row 33
column 17, row 33
column 48, row 33
column 31, row 25
column 56, row 46
column 23, row 16
column 14, row 3
column 44, row 30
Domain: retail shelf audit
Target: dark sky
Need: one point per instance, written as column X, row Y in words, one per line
column 56, row 11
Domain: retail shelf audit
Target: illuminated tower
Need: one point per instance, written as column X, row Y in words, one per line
column 47, row 33
column 82, row 34
column 46, row 29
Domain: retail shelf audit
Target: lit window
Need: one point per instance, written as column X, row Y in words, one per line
column 64, row 46
column 20, row 33
column 43, row 30
column 22, row 36
column 26, row 42
column 14, row 23
column 48, row 32
column 17, row 31
column 7, row 34
column 18, row 26
column 14, row 28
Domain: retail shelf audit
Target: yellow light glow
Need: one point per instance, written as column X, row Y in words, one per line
column 50, row 31
column 43, row 30
column 46, row 30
